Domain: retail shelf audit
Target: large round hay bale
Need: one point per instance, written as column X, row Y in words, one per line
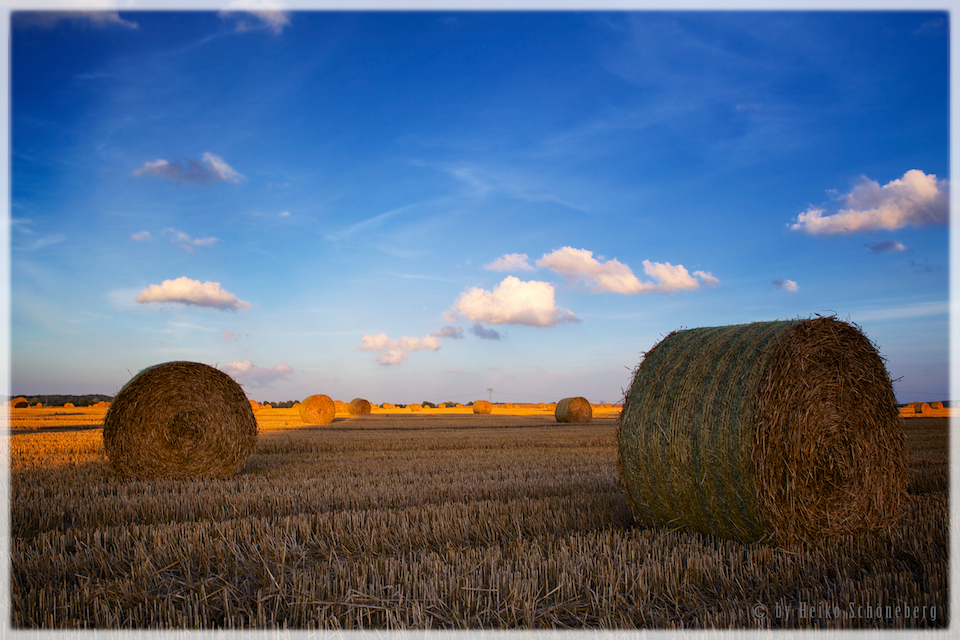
column 179, row 419
column 482, row 407
column 359, row 407
column 574, row 410
column 782, row 431
column 415, row 407
column 317, row 409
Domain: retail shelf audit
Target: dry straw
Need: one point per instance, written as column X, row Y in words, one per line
column 317, row 409
column 482, row 407
column 256, row 406
column 339, row 406
column 574, row 410
column 784, row 431
column 182, row 420
column 415, row 407
column 359, row 407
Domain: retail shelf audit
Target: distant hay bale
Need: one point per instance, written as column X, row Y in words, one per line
column 317, row 409
column 918, row 407
column 575, row 409
column 936, row 405
column 784, row 431
column 387, row 405
column 482, row 407
column 415, row 407
column 359, row 407
column 19, row 403
column 339, row 406
column 68, row 405
column 256, row 406
column 541, row 405
column 38, row 405
column 179, row 419
column 509, row 405
column 458, row 406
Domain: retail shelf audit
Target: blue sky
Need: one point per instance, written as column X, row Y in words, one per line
column 410, row 206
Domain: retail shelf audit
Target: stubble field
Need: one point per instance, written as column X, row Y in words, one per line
column 437, row 519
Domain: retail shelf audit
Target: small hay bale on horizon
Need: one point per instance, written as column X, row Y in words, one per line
column 256, row 406
column 339, row 406
column 415, row 407
column 387, row 405
column 317, row 409
column 69, row 405
column 181, row 420
column 19, row 403
column 784, row 431
column 359, row 407
column 575, row 409
column 482, row 407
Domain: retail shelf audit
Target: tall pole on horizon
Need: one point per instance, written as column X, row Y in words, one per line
column 491, row 395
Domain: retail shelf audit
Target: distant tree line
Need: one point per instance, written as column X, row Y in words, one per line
column 60, row 400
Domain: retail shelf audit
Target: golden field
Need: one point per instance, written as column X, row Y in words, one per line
column 432, row 519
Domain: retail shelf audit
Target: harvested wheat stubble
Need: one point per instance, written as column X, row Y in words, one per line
column 359, row 407
column 317, row 409
column 785, row 431
column 482, row 407
column 575, row 409
column 181, row 420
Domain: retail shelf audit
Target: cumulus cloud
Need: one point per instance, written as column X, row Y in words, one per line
column 183, row 290
column 185, row 242
column 393, row 351
column 885, row 247
column 510, row 262
column 579, row 265
column 785, row 285
column 916, row 199
column 448, row 332
column 79, row 19
column 486, row 334
column 208, row 171
column 265, row 14
column 511, row 302
column 251, row 375
column 141, row 236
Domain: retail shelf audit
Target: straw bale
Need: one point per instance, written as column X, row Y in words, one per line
column 918, row 407
column 387, row 405
column 575, row 409
column 359, row 407
column 542, row 405
column 936, row 405
column 69, row 405
column 179, row 419
column 339, row 406
column 415, row 407
column 256, row 406
column 19, row 403
column 317, row 409
column 785, row 431
column 482, row 407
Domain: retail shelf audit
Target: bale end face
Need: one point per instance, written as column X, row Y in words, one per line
column 482, row 407
column 575, row 409
column 359, row 407
column 317, row 409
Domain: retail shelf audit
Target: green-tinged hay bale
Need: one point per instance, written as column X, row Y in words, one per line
column 255, row 406
column 415, row 407
column 482, row 407
column 317, row 409
column 575, row 409
column 359, row 407
column 786, row 431
column 181, row 420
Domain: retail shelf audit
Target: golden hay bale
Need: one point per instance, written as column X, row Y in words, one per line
column 541, row 405
column 317, row 409
column 482, row 407
column 936, row 405
column 387, row 405
column 918, row 407
column 19, row 403
column 459, row 406
column 574, row 410
column 359, row 407
column 415, row 407
column 256, row 406
column 37, row 405
column 784, row 431
column 339, row 406
column 182, row 420
column 68, row 405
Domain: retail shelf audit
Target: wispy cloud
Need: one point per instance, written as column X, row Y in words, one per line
column 510, row 262
column 513, row 301
column 448, row 332
column 265, row 14
column 45, row 241
column 900, row 311
column 142, row 236
column 885, row 247
column 369, row 223
column 229, row 335
column 785, row 285
column 248, row 374
column 79, row 19
column 185, row 242
column 579, row 265
column 183, row 290
column 485, row 334
column 393, row 351
column 916, row 199
column 209, row 170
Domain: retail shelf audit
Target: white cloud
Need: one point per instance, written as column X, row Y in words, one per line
column 395, row 351
column 511, row 302
column 270, row 15
column 229, row 335
column 916, row 199
column 249, row 374
column 509, row 262
column 186, row 291
column 785, row 285
column 80, row 19
column 185, row 242
column 140, row 236
column 212, row 169
column 579, row 265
